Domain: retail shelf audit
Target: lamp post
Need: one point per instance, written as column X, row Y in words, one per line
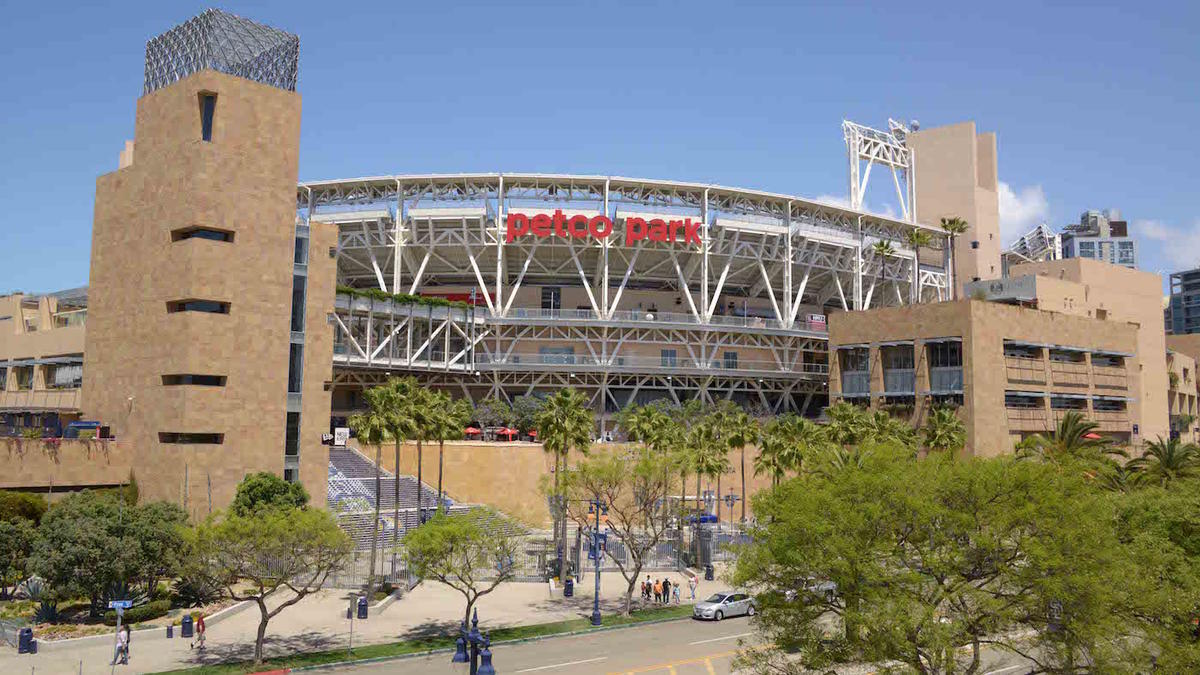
column 730, row 500
column 596, row 505
column 480, row 655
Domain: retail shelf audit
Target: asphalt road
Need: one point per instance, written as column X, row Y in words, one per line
column 684, row 647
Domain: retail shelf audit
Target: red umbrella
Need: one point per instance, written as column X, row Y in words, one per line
column 505, row 431
column 533, row 433
column 471, row 431
column 1092, row 436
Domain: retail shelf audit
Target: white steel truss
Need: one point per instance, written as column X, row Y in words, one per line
column 887, row 149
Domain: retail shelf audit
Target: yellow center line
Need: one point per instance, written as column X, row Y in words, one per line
column 670, row 666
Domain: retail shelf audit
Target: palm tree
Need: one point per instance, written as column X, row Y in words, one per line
column 884, row 250
column 1164, row 461
column 739, row 430
column 954, row 227
column 1074, row 437
column 449, row 418
column 916, row 240
column 881, row 427
column 786, row 441
column 1184, row 423
column 847, row 423
column 565, row 423
column 944, row 431
column 420, row 405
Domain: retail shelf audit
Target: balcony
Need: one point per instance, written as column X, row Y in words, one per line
column 40, row 399
column 1112, row 420
column 899, row 382
column 1110, row 377
column 1024, row 369
column 856, row 383
column 946, row 379
column 528, row 361
column 1027, row 419
column 1069, row 373
column 649, row 316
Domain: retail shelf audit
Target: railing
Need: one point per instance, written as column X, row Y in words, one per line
column 946, row 379
column 1027, row 419
column 1110, row 377
column 856, row 382
column 500, row 361
column 1069, row 372
column 1057, row 414
column 1111, row 420
column 1024, row 369
column 41, row 399
column 899, row 381
column 653, row 316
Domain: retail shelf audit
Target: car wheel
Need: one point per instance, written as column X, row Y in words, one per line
column 750, row 612
column 719, row 615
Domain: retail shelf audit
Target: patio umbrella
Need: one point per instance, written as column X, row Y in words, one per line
column 505, row 431
column 1091, row 435
column 533, row 433
column 471, row 431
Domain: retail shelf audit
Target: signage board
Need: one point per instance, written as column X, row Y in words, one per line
column 120, row 604
column 816, row 319
column 579, row 226
column 340, row 436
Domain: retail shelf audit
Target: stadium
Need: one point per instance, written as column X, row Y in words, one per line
column 628, row 289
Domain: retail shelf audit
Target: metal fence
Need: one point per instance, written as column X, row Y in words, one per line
column 9, row 632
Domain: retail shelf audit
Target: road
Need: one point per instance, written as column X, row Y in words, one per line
column 676, row 648
column 673, row 648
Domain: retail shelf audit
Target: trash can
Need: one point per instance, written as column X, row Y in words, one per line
column 33, row 646
column 24, row 637
column 708, row 572
column 362, row 607
column 170, row 630
column 185, row 626
column 569, row 588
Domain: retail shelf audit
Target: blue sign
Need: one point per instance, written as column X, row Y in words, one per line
column 120, row 604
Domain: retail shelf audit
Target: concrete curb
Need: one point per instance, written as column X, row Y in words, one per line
column 156, row 633
column 383, row 604
column 448, row 650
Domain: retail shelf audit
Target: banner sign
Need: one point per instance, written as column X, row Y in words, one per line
column 542, row 225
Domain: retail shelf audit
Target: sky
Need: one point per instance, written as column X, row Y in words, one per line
column 1093, row 107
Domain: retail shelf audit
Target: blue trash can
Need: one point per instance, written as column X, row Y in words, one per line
column 569, row 588
column 362, row 607
column 708, row 572
column 24, row 637
column 170, row 630
column 185, row 626
column 33, row 646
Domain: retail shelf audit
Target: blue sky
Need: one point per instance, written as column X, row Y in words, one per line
column 1094, row 107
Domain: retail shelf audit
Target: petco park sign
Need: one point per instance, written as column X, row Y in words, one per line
column 542, row 225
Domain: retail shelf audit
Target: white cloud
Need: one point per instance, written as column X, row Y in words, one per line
column 887, row 210
column 833, row 200
column 1021, row 211
column 1176, row 245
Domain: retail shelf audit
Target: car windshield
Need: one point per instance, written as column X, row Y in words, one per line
column 716, row 597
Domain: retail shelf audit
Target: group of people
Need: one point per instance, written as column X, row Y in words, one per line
column 121, row 657
column 663, row 592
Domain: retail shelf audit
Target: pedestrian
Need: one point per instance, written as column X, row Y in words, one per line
column 199, row 641
column 658, row 590
column 692, row 583
column 666, row 591
column 123, row 644
column 675, row 593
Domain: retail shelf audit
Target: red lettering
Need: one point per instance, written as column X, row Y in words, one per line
column 558, row 223
column 675, row 225
column 577, row 226
column 601, row 221
column 635, row 230
column 517, row 225
column 541, row 225
column 691, row 231
column 658, row 230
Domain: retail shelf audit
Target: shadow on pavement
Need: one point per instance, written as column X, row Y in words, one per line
column 272, row 647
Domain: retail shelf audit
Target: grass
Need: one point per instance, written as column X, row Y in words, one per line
column 419, row 646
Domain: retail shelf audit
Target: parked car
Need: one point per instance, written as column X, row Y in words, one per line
column 722, row 605
column 814, row 590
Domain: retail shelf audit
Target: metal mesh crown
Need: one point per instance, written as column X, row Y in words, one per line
column 227, row 44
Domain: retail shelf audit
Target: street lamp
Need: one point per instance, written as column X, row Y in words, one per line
column 730, row 500
column 480, row 656
column 596, row 505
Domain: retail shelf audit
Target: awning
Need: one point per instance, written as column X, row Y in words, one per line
column 1098, row 397
column 1066, row 348
column 857, row 345
column 895, row 343
column 1036, row 394
column 864, row 394
column 935, row 340
column 1105, row 352
column 1021, row 343
column 1055, row 394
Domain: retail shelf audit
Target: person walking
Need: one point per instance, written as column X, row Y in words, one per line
column 123, row 645
column 692, row 583
column 658, row 590
column 666, row 591
column 199, row 641
column 675, row 593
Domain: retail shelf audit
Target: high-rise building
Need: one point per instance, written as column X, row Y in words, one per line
column 1100, row 235
column 1183, row 306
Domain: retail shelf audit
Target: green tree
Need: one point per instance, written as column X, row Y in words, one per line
column 471, row 552
column 954, row 228
column 16, row 543
column 786, row 441
column 253, row 557
column 932, row 559
column 917, row 240
column 22, row 505
column 266, row 490
column 1168, row 460
column 525, row 411
column 449, row 418
column 943, row 431
column 565, row 424
column 711, row 453
column 635, row 491
column 1073, row 439
column 740, row 430
column 847, row 423
column 492, row 412
column 372, row 428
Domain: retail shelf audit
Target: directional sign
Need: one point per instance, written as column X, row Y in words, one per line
column 120, row 604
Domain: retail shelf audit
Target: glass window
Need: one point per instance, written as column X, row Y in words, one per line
column 945, row 355
column 24, row 375
column 899, row 357
column 301, row 251
column 853, row 360
column 731, row 360
column 291, row 445
column 198, row 380
column 295, row 368
column 201, row 233
column 552, row 298
column 64, row 376
column 3, row 378
column 175, row 437
column 208, row 306
column 669, row 359
column 298, row 285
column 208, row 110
column 1087, row 249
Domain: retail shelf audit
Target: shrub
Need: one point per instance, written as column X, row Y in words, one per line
column 195, row 590
column 146, row 612
column 401, row 298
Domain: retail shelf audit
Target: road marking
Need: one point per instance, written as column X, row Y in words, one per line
column 727, row 637
column 1004, row 670
column 670, row 667
column 562, row 665
column 708, row 664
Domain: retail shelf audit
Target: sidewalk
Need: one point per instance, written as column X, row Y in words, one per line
column 318, row 623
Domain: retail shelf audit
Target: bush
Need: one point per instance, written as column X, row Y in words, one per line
column 196, row 590
column 401, row 298
column 22, row 505
column 146, row 612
